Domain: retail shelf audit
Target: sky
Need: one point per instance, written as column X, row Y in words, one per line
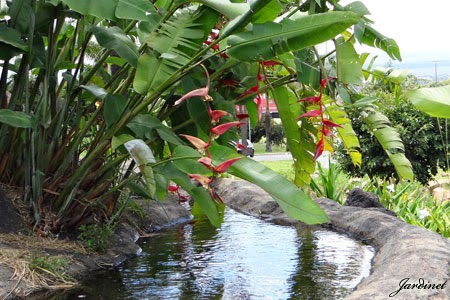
column 420, row 28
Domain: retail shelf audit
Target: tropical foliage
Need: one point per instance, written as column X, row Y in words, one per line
column 171, row 83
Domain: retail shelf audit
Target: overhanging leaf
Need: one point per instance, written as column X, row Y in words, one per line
column 134, row 9
column 267, row 40
column 369, row 36
column 294, row 202
column 15, row 118
column 348, row 66
column 113, row 38
column 103, row 9
column 433, row 101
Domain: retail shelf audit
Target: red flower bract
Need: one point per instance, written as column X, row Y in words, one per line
column 222, row 128
column 226, row 164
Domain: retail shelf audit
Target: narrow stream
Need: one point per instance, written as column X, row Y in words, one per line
column 245, row 258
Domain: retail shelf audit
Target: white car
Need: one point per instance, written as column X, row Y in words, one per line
column 250, row 149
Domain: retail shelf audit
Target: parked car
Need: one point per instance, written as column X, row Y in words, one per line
column 250, row 149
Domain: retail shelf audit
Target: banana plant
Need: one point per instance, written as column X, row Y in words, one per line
column 156, row 106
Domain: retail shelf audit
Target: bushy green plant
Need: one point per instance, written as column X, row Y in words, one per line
column 95, row 236
column 420, row 134
column 50, row 266
column 327, row 183
column 276, row 132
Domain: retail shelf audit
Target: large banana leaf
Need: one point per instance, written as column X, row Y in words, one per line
column 433, row 101
column 348, row 66
column 113, row 38
column 172, row 46
column 390, row 141
column 298, row 138
column 369, row 36
column 294, row 202
column 270, row 39
column 346, row 133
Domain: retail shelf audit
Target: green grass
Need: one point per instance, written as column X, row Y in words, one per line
column 260, row 148
column 283, row 167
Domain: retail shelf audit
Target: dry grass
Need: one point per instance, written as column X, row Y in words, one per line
column 18, row 252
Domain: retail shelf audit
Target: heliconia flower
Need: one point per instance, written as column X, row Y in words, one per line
column 222, row 167
column 327, row 132
column 196, row 142
column 330, row 124
column 311, row 113
column 222, row 128
column 229, row 82
column 242, row 116
column 202, row 179
column 173, row 188
column 323, row 83
column 201, row 92
column 206, row 161
column 319, row 149
column 270, row 63
column 250, row 91
column 313, row 99
column 216, row 114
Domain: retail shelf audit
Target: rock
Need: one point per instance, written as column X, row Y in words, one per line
column 10, row 219
column 359, row 198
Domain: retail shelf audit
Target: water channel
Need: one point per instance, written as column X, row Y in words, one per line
column 245, row 258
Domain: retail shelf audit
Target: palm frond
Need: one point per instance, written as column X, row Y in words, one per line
column 348, row 136
column 390, row 141
column 170, row 48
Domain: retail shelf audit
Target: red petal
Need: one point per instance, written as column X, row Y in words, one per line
column 311, row 113
column 242, row 116
column 313, row 99
column 327, row 132
column 270, row 63
column 196, row 142
column 319, row 149
column 251, row 90
column 206, row 161
column 202, row 179
column 222, row 128
column 323, row 83
column 173, row 188
column 217, row 114
column 225, row 165
column 330, row 124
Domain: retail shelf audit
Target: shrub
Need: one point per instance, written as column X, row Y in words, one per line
column 424, row 146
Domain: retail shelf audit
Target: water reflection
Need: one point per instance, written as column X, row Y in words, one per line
column 244, row 259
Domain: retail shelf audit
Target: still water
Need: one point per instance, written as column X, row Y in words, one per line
column 245, row 258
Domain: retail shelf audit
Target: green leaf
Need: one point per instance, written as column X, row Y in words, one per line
column 113, row 38
column 113, row 108
column 12, row 37
column 294, row 202
column 134, row 9
column 390, row 141
column 103, row 9
column 433, row 101
column 95, row 90
column 189, row 164
column 298, row 138
column 346, row 133
column 369, row 36
column 173, row 46
column 348, row 66
column 143, row 156
column 21, row 13
column 15, row 118
column 144, row 124
column 270, row 39
column 203, row 199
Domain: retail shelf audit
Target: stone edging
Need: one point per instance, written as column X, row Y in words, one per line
column 406, row 254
